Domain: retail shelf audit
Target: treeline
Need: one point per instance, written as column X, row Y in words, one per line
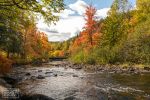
column 122, row 37
column 60, row 49
column 20, row 40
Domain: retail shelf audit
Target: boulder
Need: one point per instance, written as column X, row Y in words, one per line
column 48, row 72
column 70, row 98
column 28, row 74
column 40, row 77
column 39, row 70
column 55, row 75
column 131, row 69
column 75, row 75
column 36, row 97
column 33, row 77
column 147, row 68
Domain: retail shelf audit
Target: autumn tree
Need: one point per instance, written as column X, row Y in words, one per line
column 46, row 8
column 143, row 6
column 90, row 22
column 10, row 35
column 116, row 25
column 119, row 6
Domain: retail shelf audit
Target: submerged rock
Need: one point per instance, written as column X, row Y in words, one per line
column 75, row 75
column 48, row 72
column 40, row 77
column 70, row 98
column 39, row 70
column 147, row 68
column 10, row 80
column 28, row 74
column 33, row 77
column 55, row 75
column 36, row 97
column 4, row 83
column 131, row 69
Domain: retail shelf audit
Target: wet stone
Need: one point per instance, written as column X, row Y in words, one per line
column 48, row 72
column 70, row 98
column 28, row 74
column 33, row 77
column 36, row 97
column 147, row 68
column 131, row 69
column 40, row 77
column 75, row 75
column 55, row 75
column 39, row 70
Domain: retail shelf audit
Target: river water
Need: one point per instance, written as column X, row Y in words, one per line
column 69, row 84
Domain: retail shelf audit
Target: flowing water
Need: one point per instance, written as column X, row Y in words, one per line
column 69, row 84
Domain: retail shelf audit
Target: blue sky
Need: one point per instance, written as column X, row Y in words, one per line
column 99, row 4
column 72, row 18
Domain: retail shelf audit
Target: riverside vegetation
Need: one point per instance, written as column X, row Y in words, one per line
column 119, row 44
column 123, row 37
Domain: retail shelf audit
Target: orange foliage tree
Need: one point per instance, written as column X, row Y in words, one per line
column 90, row 25
column 35, row 43
column 88, row 37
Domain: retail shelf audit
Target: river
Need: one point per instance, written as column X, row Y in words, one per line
column 61, row 83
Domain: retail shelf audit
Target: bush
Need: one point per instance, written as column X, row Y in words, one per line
column 103, row 55
column 90, row 59
column 21, row 61
column 78, row 57
column 137, row 47
column 5, row 65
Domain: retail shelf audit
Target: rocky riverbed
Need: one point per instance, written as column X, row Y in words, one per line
column 62, row 80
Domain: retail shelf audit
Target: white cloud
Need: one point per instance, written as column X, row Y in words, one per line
column 58, row 36
column 64, row 29
column 102, row 12
column 79, row 7
column 70, row 23
column 65, row 13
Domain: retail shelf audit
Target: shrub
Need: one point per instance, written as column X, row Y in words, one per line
column 90, row 59
column 78, row 57
column 137, row 47
column 5, row 65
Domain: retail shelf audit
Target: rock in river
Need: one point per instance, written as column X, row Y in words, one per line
column 39, row 70
column 55, row 75
column 48, row 72
column 28, row 74
column 75, row 75
column 147, row 68
column 40, row 77
column 36, row 97
column 70, row 98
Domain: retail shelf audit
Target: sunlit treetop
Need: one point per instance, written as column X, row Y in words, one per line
column 143, row 5
column 46, row 8
column 120, row 6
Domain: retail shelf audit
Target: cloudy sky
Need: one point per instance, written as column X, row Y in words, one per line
column 71, row 19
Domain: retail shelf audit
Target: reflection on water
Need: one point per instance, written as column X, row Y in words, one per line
column 80, row 85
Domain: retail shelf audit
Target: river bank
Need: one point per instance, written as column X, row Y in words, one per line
column 120, row 68
column 58, row 73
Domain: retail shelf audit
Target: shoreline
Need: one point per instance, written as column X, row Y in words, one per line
column 118, row 68
column 113, row 69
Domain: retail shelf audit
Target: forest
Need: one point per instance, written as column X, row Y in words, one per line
column 107, row 59
column 123, row 37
